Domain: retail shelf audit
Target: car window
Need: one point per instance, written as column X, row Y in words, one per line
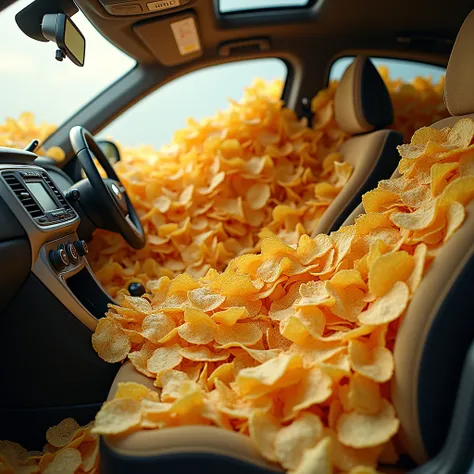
column 31, row 80
column 155, row 118
column 398, row 68
column 229, row 6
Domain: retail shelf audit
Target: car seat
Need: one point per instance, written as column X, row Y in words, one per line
column 431, row 352
column 362, row 108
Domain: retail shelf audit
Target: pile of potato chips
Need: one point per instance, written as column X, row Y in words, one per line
column 248, row 173
column 293, row 346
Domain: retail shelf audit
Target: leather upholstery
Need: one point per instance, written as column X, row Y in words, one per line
column 373, row 156
column 362, row 101
column 459, row 85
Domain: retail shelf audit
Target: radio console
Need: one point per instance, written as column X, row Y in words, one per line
column 39, row 196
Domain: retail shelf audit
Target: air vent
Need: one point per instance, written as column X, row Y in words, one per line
column 23, row 195
column 61, row 199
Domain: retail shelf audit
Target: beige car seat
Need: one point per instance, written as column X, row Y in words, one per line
column 430, row 351
column 362, row 108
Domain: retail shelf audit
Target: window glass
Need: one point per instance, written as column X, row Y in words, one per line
column 202, row 93
column 228, row 6
column 31, row 80
column 399, row 68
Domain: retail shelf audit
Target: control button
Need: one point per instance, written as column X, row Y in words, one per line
column 24, row 195
column 127, row 9
column 81, row 247
column 59, row 259
column 72, row 253
column 42, row 219
column 136, row 289
column 73, row 194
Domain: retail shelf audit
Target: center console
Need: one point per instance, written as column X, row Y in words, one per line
column 53, row 303
column 58, row 254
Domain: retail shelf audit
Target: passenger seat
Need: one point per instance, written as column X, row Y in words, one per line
column 362, row 108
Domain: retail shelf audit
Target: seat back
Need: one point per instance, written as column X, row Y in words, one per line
column 438, row 327
column 362, row 108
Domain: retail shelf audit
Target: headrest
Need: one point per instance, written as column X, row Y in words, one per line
column 459, row 85
column 362, row 101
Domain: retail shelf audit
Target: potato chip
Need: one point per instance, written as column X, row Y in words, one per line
column 132, row 390
column 392, row 304
column 315, row 387
column 203, row 354
column 117, row 416
column 279, row 372
column 455, row 217
column 90, row 455
column 419, row 219
column 461, row 134
column 364, row 395
column 365, row 431
column 230, row 316
column 258, row 195
column 440, row 173
column 110, row 342
column 263, row 429
column 62, row 434
column 164, row 358
column 156, row 326
column 375, row 363
column 388, row 269
column 66, row 461
column 246, row 334
column 316, row 460
column 293, row 440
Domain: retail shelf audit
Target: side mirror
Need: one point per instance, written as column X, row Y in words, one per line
column 60, row 29
column 110, row 150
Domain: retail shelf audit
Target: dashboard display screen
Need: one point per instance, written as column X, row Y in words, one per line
column 42, row 196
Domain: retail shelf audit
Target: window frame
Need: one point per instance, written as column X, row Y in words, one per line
column 379, row 55
column 281, row 9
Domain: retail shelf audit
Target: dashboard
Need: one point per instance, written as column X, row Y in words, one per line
column 49, row 304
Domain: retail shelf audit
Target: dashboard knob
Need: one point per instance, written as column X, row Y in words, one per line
column 136, row 289
column 72, row 253
column 59, row 259
column 81, row 247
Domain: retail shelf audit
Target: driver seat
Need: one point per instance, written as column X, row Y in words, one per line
column 431, row 353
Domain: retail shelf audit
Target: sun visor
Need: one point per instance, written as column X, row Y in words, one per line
column 172, row 41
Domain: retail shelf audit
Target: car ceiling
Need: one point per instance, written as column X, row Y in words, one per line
column 330, row 25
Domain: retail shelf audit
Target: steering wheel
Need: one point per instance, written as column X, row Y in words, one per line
column 106, row 199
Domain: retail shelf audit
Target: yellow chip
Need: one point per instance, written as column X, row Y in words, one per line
column 419, row 219
column 461, row 134
column 246, row 334
column 197, row 333
column 230, row 316
column 460, row 190
column 315, row 387
column 466, row 164
column 66, row 461
column 388, row 269
column 90, row 455
column 293, row 440
column 203, row 354
column 365, row 431
column 62, row 434
column 316, row 460
column 138, row 304
column 455, row 217
column 440, row 173
column 392, row 304
column 263, row 429
column 133, row 390
column 140, row 358
column 378, row 200
column 164, row 358
column 224, row 373
column 303, row 324
column 277, row 373
column 258, row 195
column 364, row 395
column 117, row 416
column 375, row 363
column 156, row 326
column 110, row 342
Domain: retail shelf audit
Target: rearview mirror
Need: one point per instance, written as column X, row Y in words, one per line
column 60, row 29
column 110, row 150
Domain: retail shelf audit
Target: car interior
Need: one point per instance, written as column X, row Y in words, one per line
column 51, row 300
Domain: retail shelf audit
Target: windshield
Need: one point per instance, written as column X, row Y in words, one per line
column 32, row 80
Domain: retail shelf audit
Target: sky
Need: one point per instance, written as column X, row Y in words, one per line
column 32, row 80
